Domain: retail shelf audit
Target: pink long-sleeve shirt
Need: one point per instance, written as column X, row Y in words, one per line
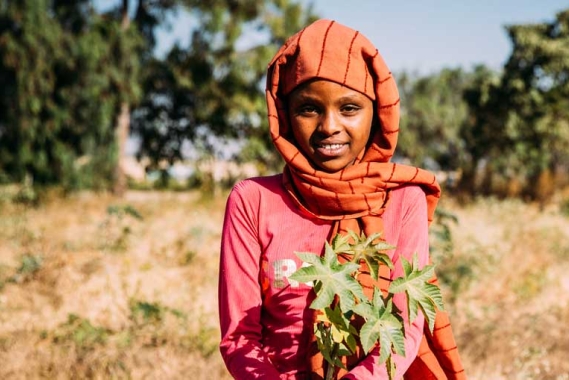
column 265, row 320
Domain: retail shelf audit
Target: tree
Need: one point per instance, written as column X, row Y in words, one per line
column 212, row 92
column 29, row 43
column 148, row 15
column 64, row 70
column 482, row 133
column 535, row 88
column 432, row 113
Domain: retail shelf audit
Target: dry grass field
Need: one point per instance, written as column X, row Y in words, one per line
column 97, row 287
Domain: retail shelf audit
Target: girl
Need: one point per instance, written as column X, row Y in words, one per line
column 333, row 111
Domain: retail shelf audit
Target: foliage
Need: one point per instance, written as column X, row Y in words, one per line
column 507, row 132
column 143, row 312
column 420, row 293
column 67, row 70
column 431, row 117
column 482, row 133
column 455, row 273
column 81, row 332
column 63, row 72
column 382, row 325
column 518, row 125
column 442, row 242
column 30, row 265
column 364, row 249
column 124, row 210
column 536, row 86
column 210, row 93
column 117, row 227
column 340, row 298
column 332, row 279
column 27, row 269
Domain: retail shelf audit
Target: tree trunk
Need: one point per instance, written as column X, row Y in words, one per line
column 121, row 135
column 122, row 125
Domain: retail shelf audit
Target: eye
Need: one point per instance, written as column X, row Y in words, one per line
column 350, row 109
column 306, row 109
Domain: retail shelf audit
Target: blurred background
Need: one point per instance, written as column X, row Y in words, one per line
column 124, row 123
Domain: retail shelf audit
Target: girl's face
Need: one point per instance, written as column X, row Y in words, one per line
column 330, row 122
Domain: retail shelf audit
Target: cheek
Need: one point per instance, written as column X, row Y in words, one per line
column 369, row 131
column 363, row 130
column 369, row 127
column 301, row 134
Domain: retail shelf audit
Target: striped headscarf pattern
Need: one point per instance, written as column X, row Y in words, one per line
column 355, row 197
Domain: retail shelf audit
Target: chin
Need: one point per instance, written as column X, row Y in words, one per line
column 330, row 168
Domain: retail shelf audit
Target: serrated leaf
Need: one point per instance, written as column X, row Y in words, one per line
column 420, row 293
column 335, row 279
column 363, row 249
column 335, row 336
column 381, row 326
column 391, row 338
column 308, row 257
column 341, row 243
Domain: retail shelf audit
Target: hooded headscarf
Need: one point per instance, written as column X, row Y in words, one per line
column 356, row 196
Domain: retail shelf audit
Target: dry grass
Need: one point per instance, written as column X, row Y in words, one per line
column 511, row 312
column 92, row 292
column 110, row 296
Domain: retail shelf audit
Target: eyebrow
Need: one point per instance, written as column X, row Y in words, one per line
column 302, row 97
column 351, row 98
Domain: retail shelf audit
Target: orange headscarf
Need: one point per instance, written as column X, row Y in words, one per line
column 357, row 196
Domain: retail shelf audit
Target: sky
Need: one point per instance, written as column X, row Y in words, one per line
column 427, row 35
column 421, row 36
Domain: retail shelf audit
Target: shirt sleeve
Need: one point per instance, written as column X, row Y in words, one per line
column 239, row 292
column 413, row 238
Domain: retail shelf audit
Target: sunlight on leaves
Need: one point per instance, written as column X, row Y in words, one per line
column 340, row 297
column 336, row 279
column 420, row 293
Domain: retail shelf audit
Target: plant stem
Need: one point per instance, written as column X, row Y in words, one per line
column 331, row 367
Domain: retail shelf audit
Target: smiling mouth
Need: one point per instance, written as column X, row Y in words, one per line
column 331, row 150
column 329, row 146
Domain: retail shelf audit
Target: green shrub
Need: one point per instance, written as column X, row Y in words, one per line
column 81, row 333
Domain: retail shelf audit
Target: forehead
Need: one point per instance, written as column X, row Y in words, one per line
column 324, row 89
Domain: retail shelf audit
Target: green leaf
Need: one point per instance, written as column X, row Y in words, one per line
column 343, row 333
column 382, row 325
column 324, row 340
column 341, row 243
column 330, row 350
column 364, row 249
column 420, row 293
column 331, row 279
column 335, row 335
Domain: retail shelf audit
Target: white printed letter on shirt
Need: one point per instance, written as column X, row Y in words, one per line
column 283, row 269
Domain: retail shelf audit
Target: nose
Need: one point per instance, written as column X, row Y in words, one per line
column 329, row 124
